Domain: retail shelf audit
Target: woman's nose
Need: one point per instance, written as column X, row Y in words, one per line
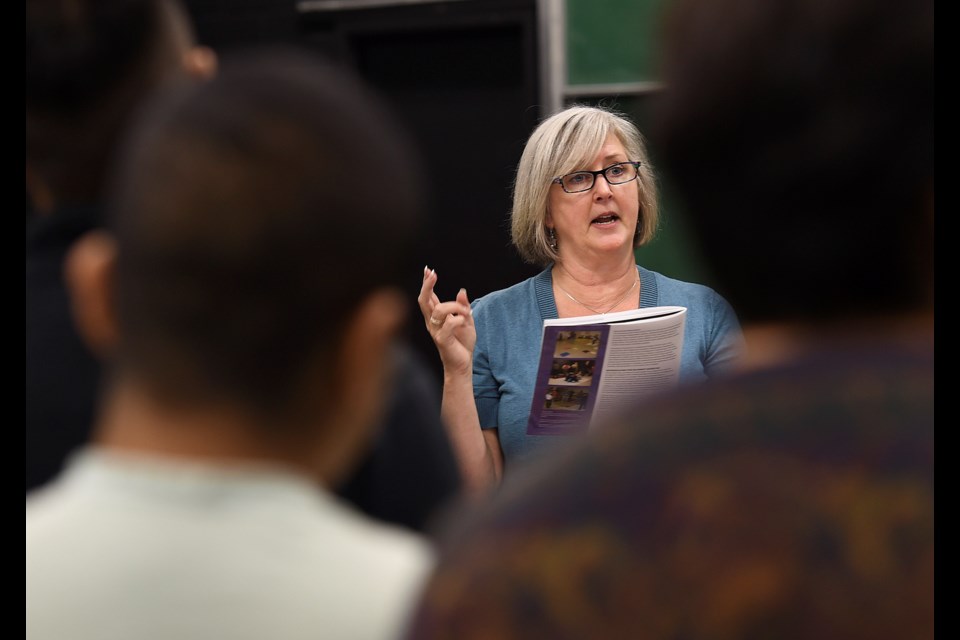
column 601, row 188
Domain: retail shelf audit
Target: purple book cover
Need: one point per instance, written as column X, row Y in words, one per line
column 571, row 359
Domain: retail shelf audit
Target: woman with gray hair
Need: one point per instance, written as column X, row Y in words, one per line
column 584, row 198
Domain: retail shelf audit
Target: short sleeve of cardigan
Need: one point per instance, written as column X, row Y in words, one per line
column 486, row 390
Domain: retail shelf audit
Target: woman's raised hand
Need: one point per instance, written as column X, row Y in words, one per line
column 450, row 324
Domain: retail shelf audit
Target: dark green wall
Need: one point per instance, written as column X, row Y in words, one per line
column 611, row 40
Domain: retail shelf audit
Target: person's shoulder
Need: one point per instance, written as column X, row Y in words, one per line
column 383, row 564
column 681, row 292
column 375, row 545
column 42, row 507
column 58, row 519
column 666, row 283
column 508, row 297
column 50, row 504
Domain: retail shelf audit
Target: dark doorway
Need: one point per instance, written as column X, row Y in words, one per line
column 463, row 77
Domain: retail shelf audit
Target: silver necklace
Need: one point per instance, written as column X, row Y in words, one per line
column 596, row 311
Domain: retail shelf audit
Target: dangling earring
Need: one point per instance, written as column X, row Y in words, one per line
column 552, row 238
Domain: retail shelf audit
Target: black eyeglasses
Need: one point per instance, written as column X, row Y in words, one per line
column 618, row 173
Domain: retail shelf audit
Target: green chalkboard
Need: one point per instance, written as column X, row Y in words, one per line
column 611, row 40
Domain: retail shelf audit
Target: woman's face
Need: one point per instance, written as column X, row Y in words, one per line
column 599, row 222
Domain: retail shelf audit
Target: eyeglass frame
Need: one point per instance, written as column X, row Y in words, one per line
column 602, row 172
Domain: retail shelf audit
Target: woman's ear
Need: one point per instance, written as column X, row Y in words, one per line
column 89, row 273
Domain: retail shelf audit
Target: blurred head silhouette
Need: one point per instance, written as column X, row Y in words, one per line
column 257, row 222
column 800, row 135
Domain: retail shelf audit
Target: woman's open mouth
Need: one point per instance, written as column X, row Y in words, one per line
column 605, row 219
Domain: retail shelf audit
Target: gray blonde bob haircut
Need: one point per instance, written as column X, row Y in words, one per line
column 565, row 142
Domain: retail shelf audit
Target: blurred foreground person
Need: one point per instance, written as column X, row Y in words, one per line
column 244, row 301
column 91, row 65
column 794, row 499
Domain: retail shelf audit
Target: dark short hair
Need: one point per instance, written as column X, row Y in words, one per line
column 90, row 63
column 253, row 215
column 800, row 135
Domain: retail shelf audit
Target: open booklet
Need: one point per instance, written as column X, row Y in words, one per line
column 592, row 365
